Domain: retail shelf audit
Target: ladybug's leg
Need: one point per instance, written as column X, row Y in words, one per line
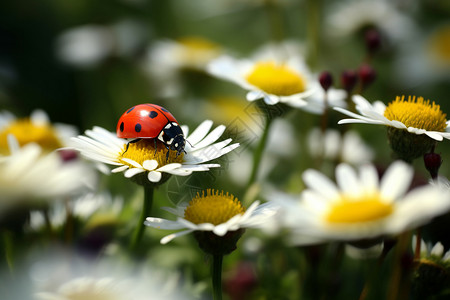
column 128, row 144
column 156, row 145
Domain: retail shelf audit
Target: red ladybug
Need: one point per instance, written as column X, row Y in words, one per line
column 150, row 121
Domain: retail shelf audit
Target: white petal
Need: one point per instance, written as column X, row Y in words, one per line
column 221, row 229
column 200, row 132
column 320, row 183
column 119, row 169
column 163, row 223
column 170, row 167
column 132, row 162
column 150, row 165
column 369, row 178
column 437, row 249
column 154, row 176
column 254, row 95
column 133, row 171
column 347, row 180
column 211, row 137
column 170, row 237
column 396, row 180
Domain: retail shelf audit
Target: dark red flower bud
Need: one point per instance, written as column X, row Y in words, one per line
column 326, row 80
column 433, row 162
column 348, row 80
column 373, row 40
column 366, row 74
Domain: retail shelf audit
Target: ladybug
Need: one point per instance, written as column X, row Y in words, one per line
column 151, row 121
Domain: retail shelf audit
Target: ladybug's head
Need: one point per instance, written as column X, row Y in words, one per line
column 178, row 144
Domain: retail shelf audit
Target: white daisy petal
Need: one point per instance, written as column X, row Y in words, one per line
column 150, row 165
column 132, row 172
column 119, row 169
column 200, row 132
column 170, row 237
column 396, row 180
column 320, row 183
column 154, row 176
column 347, row 180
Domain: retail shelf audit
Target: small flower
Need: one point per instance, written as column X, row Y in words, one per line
column 276, row 74
column 415, row 117
column 360, row 206
column 349, row 17
column 215, row 213
column 431, row 274
column 35, row 129
column 141, row 157
column 425, row 59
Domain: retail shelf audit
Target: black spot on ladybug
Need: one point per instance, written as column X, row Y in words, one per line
column 121, row 126
column 137, row 127
column 153, row 114
column 164, row 110
column 128, row 111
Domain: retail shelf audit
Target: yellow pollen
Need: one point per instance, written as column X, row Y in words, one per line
column 145, row 150
column 417, row 113
column 213, row 207
column 439, row 45
column 371, row 208
column 25, row 131
column 276, row 79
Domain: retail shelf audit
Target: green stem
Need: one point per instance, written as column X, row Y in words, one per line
column 275, row 20
column 259, row 152
column 313, row 31
column 146, row 209
column 217, row 277
column 8, row 245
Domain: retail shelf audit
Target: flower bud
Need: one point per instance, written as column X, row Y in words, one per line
column 348, row 80
column 433, row 162
column 326, row 80
column 366, row 74
column 373, row 40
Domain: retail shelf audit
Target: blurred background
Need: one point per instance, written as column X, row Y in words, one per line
column 85, row 62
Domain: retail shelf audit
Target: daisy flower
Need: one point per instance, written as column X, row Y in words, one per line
column 348, row 17
column 276, row 73
column 431, row 273
column 29, row 175
column 35, row 129
column 426, row 58
column 414, row 125
column 141, row 158
column 190, row 52
column 213, row 212
column 57, row 274
column 359, row 206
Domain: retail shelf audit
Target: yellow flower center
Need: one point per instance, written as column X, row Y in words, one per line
column 349, row 210
column 145, row 150
column 417, row 113
column 197, row 51
column 198, row 43
column 439, row 45
column 25, row 131
column 213, row 207
column 276, row 79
